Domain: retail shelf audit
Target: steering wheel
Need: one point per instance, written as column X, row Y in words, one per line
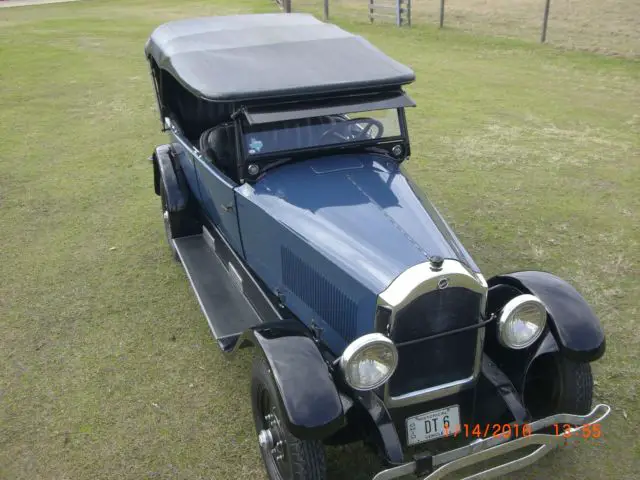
column 348, row 130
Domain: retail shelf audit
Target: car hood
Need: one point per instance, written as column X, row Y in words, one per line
column 362, row 212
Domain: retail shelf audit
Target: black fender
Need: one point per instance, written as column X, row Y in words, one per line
column 165, row 174
column 386, row 437
column 309, row 397
column 574, row 325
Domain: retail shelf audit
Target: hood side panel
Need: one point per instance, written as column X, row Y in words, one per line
column 332, row 233
column 313, row 288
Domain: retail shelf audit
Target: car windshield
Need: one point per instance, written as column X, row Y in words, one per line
column 325, row 131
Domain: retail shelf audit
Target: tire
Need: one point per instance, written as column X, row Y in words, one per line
column 300, row 459
column 556, row 384
column 577, row 392
column 176, row 224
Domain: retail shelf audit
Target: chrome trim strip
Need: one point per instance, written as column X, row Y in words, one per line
column 235, row 276
column 209, row 239
column 483, row 283
column 421, row 279
column 411, row 284
column 446, row 463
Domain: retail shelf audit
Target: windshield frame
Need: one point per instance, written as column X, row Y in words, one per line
column 270, row 113
column 267, row 161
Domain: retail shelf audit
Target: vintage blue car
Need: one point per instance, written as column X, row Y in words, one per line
column 285, row 199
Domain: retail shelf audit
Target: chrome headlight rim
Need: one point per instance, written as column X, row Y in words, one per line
column 358, row 346
column 509, row 311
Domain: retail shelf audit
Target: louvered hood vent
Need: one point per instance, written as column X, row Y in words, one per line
column 330, row 303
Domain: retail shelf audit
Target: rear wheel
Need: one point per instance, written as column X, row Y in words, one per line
column 170, row 224
column 555, row 384
column 176, row 224
column 285, row 456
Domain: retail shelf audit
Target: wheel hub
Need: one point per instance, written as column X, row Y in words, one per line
column 265, row 439
column 270, row 438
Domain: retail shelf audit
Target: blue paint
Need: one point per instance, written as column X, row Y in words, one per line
column 355, row 220
column 218, row 200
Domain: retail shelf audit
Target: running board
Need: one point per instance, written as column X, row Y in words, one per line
column 217, row 289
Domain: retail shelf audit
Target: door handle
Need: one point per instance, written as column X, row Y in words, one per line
column 227, row 208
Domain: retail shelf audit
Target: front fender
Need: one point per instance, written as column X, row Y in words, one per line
column 308, row 396
column 386, row 434
column 574, row 326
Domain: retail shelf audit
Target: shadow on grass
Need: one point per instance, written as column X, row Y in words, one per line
column 352, row 462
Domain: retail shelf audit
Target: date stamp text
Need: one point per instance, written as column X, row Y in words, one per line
column 508, row 430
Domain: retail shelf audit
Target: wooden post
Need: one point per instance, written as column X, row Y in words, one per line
column 371, row 10
column 399, row 13
column 545, row 21
column 326, row 10
column 441, row 13
column 287, row 6
column 409, row 13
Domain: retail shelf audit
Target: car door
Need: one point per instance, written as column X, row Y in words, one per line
column 218, row 199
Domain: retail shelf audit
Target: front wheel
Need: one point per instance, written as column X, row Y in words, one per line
column 285, row 456
column 555, row 384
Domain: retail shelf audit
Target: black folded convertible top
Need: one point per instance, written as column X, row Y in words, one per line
column 251, row 57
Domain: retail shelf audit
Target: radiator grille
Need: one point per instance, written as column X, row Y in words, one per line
column 441, row 360
column 330, row 303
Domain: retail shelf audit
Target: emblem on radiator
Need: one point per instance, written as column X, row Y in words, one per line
column 443, row 283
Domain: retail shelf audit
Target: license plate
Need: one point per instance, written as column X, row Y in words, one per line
column 434, row 424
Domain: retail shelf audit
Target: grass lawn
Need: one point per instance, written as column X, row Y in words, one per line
column 107, row 367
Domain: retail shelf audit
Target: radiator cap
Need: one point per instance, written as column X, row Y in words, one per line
column 436, row 262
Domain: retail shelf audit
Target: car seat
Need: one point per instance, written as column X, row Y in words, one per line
column 218, row 144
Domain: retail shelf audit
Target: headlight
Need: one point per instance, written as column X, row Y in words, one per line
column 369, row 361
column 521, row 322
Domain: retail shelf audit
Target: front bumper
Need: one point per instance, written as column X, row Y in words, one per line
column 445, row 463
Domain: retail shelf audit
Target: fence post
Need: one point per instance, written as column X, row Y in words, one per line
column 441, row 13
column 287, row 6
column 409, row 13
column 326, row 10
column 545, row 21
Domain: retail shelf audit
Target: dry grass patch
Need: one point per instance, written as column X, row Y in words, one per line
column 605, row 26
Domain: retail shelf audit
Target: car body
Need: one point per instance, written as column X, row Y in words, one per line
column 285, row 198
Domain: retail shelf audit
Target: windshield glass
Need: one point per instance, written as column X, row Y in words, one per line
column 330, row 130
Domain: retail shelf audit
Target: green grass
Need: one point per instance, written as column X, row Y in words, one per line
column 107, row 368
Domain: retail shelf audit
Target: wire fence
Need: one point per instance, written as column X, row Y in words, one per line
column 605, row 26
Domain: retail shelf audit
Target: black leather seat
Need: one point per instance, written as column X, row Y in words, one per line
column 218, row 144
